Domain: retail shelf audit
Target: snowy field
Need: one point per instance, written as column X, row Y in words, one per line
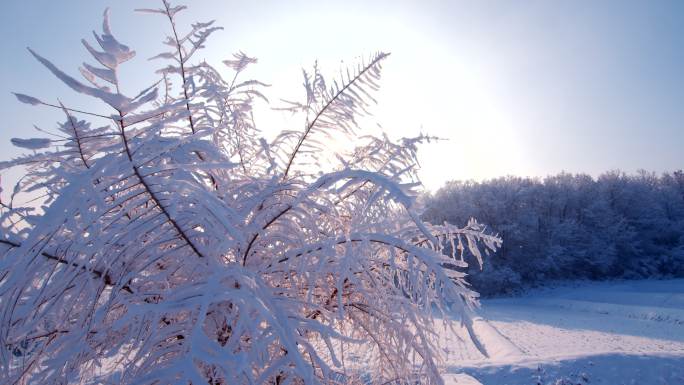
column 589, row 333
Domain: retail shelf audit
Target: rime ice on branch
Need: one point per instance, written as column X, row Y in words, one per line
column 177, row 246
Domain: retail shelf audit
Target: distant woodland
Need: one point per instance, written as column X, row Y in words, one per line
column 570, row 226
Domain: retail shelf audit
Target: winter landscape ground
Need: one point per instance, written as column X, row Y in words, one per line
column 620, row 332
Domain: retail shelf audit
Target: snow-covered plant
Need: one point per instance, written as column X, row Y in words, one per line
column 175, row 245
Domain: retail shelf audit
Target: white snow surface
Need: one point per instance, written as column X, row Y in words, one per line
column 626, row 332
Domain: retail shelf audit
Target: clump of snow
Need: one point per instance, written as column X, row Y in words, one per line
column 31, row 144
column 27, row 99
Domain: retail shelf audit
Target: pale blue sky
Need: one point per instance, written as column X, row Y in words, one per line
column 518, row 87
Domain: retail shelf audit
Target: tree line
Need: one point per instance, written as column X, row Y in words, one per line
column 570, row 226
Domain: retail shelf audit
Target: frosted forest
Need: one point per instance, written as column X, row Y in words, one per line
column 568, row 226
column 163, row 238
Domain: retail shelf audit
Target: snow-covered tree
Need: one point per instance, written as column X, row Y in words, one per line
column 174, row 244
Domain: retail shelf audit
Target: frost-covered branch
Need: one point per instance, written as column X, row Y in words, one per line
column 175, row 244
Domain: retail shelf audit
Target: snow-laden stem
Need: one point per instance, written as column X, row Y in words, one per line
column 181, row 63
column 328, row 103
column 151, row 193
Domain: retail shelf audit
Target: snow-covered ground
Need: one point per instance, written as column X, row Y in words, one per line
column 629, row 332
